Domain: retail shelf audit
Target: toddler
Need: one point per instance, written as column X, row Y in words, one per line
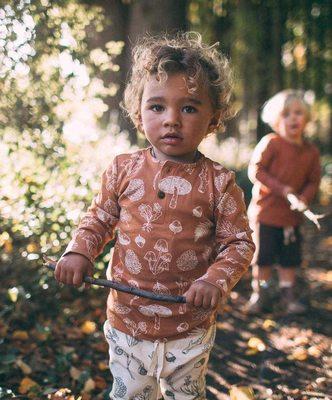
column 180, row 219
column 284, row 166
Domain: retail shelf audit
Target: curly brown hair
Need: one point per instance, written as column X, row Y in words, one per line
column 180, row 53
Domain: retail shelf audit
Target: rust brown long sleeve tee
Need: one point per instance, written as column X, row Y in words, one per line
column 275, row 164
column 176, row 223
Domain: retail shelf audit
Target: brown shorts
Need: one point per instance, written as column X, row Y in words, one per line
column 276, row 245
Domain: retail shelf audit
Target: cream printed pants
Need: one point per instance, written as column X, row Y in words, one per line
column 145, row 370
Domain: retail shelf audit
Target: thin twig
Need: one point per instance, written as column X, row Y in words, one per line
column 124, row 288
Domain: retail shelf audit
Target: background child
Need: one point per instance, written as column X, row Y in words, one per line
column 281, row 164
column 181, row 223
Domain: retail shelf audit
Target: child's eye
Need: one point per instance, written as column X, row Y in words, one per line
column 189, row 109
column 157, row 107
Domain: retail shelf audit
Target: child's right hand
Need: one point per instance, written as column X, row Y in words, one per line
column 72, row 268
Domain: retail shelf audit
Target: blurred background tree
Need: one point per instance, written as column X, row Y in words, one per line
column 63, row 67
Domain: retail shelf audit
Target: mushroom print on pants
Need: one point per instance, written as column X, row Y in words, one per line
column 156, row 311
column 176, row 186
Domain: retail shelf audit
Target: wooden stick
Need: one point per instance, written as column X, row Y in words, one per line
column 124, row 288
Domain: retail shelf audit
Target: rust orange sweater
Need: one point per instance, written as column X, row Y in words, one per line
column 275, row 164
column 176, row 223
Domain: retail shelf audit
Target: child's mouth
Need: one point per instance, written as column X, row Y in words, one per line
column 172, row 138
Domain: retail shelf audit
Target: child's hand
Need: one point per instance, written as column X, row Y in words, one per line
column 287, row 190
column 203, row 294
column 72, row 268
column 296, row 203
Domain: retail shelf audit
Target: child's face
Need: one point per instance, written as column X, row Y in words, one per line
column 174, row 120
column 292, row 121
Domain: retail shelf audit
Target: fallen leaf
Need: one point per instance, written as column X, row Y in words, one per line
column 20, row 335
column 13, row 294
column 241, row 393
column 100, row 382
column 269, row 324
column 102, row 366
column 25, row 368
column 89, row 385
column 26, row 385
column 314, row 351
column 75, row 373
column 299, row 354
column 256, row 343
column 88, row 327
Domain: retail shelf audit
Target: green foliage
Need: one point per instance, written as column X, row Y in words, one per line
column 48, row 77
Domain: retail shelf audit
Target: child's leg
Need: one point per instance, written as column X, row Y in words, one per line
column 266, row 241
column 185, row 364
column 290, row 260
column 129, row 365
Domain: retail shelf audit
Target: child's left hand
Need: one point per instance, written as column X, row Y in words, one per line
column 203, row 294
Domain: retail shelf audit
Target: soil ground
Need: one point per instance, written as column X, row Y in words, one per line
column 52, row 347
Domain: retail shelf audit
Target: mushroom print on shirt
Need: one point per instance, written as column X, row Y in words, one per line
column 176, row 223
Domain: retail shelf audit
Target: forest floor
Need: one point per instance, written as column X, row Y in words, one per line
column 52, row 346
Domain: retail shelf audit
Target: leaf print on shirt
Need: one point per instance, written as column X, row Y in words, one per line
column 117, row 273
column 225, row 229
column 176, row 186
column 202, row 230
column 157, row 311
column 159, row 288
column 244, row 250
column 203, row 179
column 175, row 227
column 135, row 190
column 125, row 216
column 134, row 164
column 135, row 329
column 132, row 262
column 121, row 309
column 111, row 178
column 149, row 214
column 227, row 205
column 219, row 182
column 187, row 261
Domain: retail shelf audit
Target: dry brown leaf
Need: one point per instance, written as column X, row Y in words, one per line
column 268, row 324
column 256, row 343
column 25, row 368
column 102, row 366
column 299, row 354
column 241, row 393
column 89, row 385
column 314, row 351
column 88, row 327
column 20, row 335
column 26, row 385
column 75, row 373
column 100, row 382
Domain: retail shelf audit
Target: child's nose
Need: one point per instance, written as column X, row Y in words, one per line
column 172, row 118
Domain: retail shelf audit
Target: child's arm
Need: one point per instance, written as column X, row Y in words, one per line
column 259, row 166
column 235, row 247
column 94, row 231
column 310, row 189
